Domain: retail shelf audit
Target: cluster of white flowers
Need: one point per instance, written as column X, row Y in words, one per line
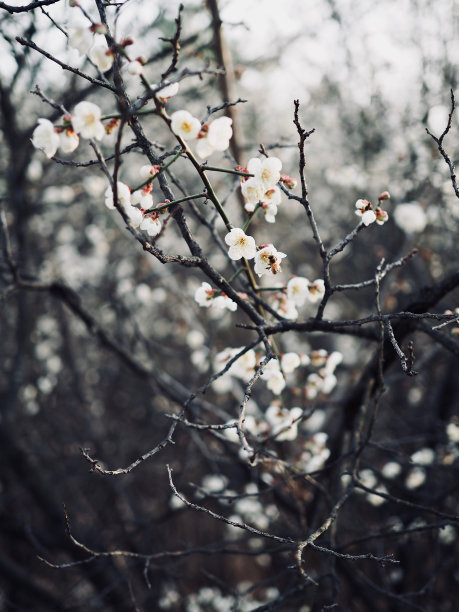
column 315, row 453
column 207, row 297
column 268, row 260
column 84, row 121
column 214, row 136
column 324, row 380
column 83, row 39
column 300, row 289
column 364, row 209
column 283, row 423
column 261, row 188
column 243, row 368
column 146, row 222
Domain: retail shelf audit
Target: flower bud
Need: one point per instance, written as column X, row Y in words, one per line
column 385, row 195
column 98, row 28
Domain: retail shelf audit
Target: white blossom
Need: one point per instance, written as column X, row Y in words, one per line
column 166, row 92
column 219, row 133
column 86, row 120
column 452, row 431
column 223, row 301
column 102, row 57
column 204, row 295
column 135, row 68
column 203, row 148
column 268, row 261
column 391, row 469
column 267, row 171
column 298, row 290
column 185, row 125
column 289, row 362
column 45, row 137
column 252, row 191
column 316, row 290
column 365, row 210
column 151, row 225
column 68, row 140
column 283, row 422
column 80, row 38
column 135, row 215
column 410, row 217
column 142, row 198
column 123, row 194
column 241, row 245
column 273, row 376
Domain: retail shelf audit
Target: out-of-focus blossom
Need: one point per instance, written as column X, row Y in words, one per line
column 241, row 245
column 273, row 376
column 86, row 120
column 283, row 422
column 123, row 194
column 381, row 216
column 410, row 217
column 452, row 431
column 80, row 38
column 148, row 172
column 252, row 191
column 204, row 295
column 135, row 68
column 268, row 261
column 298, row 290
column 151, row 224
column 289, row 362
column 102, row 57
column 224, row 302
column 135, row 215
column 167, row 91
column 186, row 126
column 316, row 290
column 45, row 137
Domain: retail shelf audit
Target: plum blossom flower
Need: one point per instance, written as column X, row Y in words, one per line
column 285, row 307
column 268, row 260
column 135, row 215
column 316, row 290
column 86, row 120
column 270, row 201
column 283, row 422
column 102, row 57
column 80, row 38
column 364, row 209
column 204, row 295
column 241, row 245
column 274, row 377
column 381, row 216
column 151, row 224
column 149, row 172
column 290, row 361
column 46, row 138
column 68, row 140
column 123, row 193
column 267, row 170
column 135, row 68
column 185, row 125
column 142, row 198
column 298, row 290
column 214, row 137
column 166, row 92
column 252, row 191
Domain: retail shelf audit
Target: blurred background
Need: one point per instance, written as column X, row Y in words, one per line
column 100, row 341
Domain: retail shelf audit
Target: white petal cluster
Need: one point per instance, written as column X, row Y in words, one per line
column 150, row 224
column 101, row 57
column 240, row 244
column 315, row 453
column 273, row 376
column 124, row 198
column 186, row 126
column 86, row 120
column 135, row 68
column 290, row 361
column 45, row 137
column 270, row 201
column 300, row 289
column 216, row 138
column 243, row 368
column 206, row 297
column 365, row 210
column 283, row 422
column 142, row 198
column 262, row 186
column 68, row 140
column 268, row 261
column 266, row 171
